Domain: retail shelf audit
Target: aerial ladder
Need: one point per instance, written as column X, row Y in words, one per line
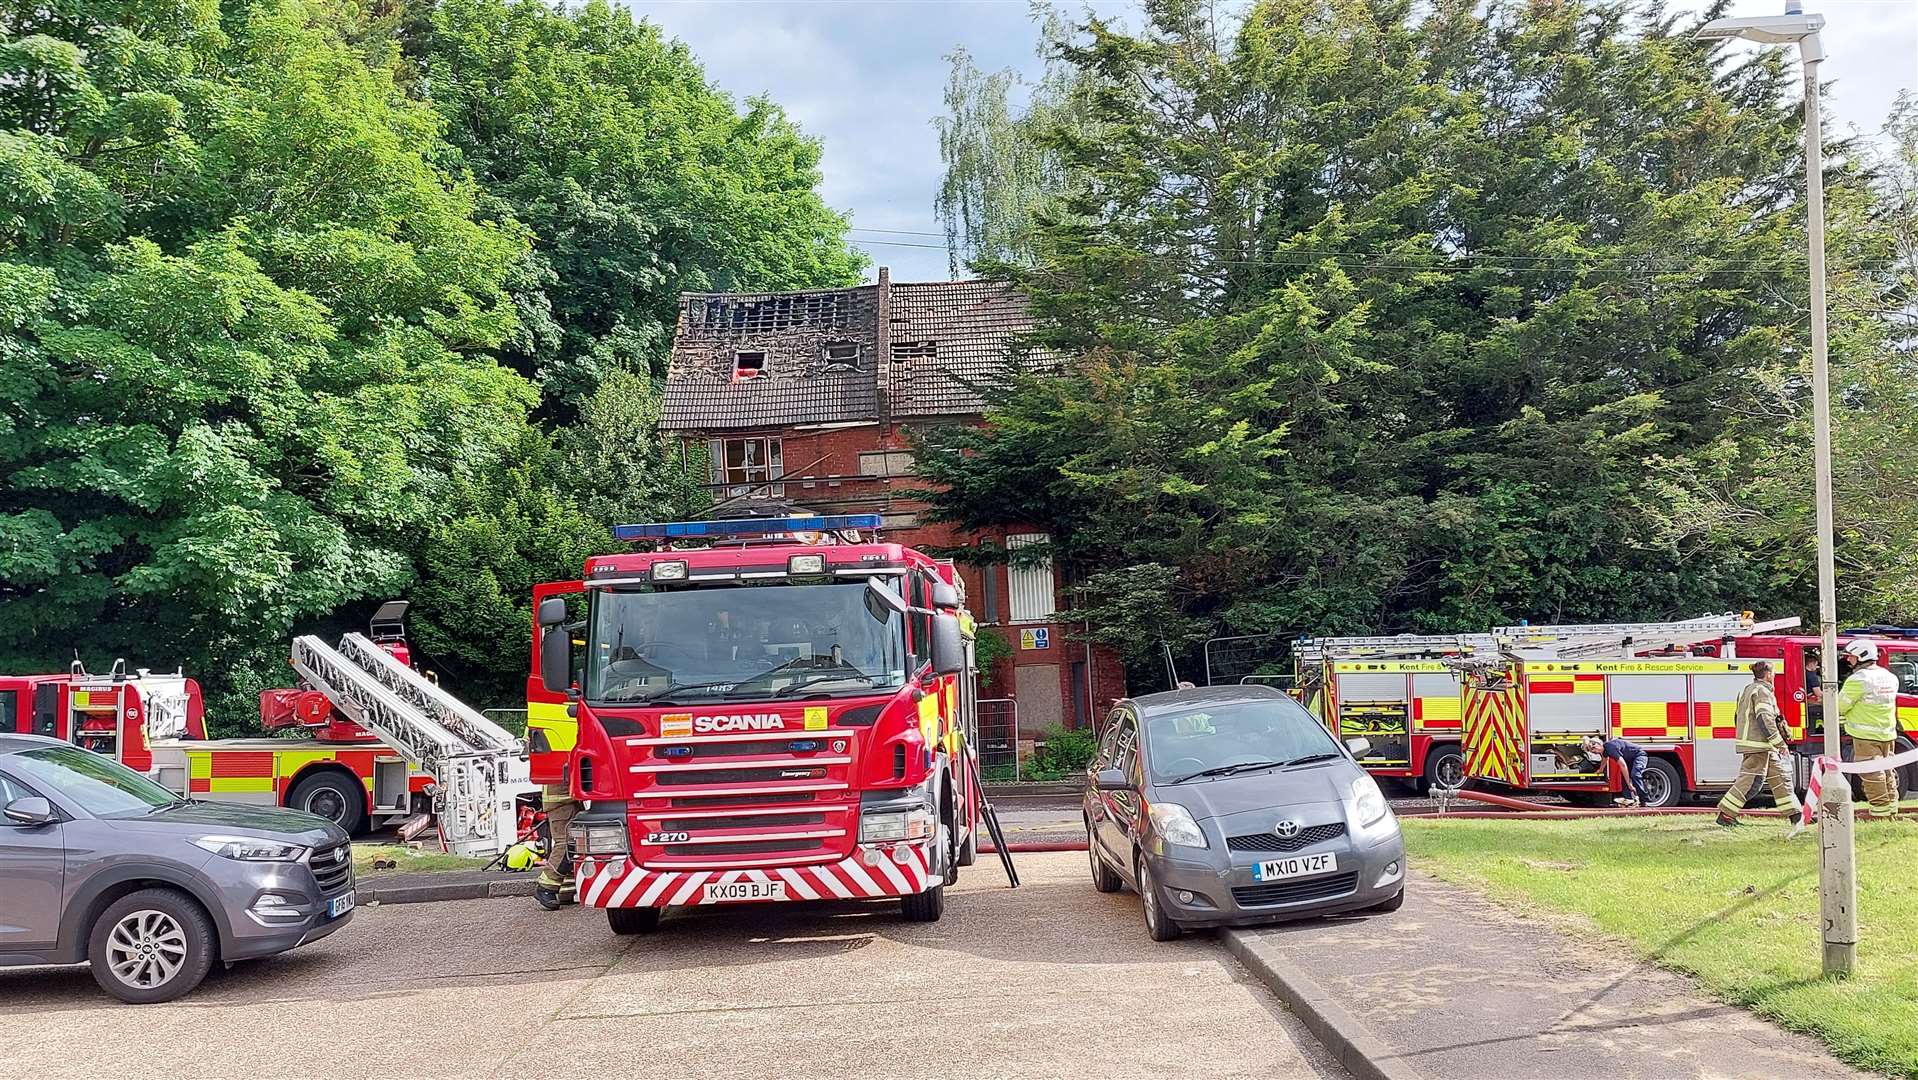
column 479, row 768
column 1589, row 641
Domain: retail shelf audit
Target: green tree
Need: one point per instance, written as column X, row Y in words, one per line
column 248, row 312
column 638, row 180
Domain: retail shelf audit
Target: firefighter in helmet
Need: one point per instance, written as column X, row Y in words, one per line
column 1761, row 749
column 1867, row 705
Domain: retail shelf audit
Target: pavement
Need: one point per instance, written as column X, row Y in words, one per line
column 1453, row 986
column 1052, row 979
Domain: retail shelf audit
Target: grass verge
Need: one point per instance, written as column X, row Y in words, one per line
column 1735, row 909
column 408, row 860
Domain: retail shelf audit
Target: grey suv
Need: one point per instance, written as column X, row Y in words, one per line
column 100, row 865
column 1233, row 805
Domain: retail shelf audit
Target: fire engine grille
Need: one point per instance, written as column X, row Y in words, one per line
column 740, row 821
column 758, row 774
column 760, row 746
column 764, row 847
column 332, row 867
column 1305, row 838
column 708, row 802
column 1296, row 892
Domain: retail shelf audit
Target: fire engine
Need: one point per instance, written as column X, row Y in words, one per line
column 785, row 713
column 1528, row 705
column 383, row 741
column 1396, row 692
column 1897, row 650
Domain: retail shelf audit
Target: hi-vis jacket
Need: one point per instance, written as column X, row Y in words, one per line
column 1868, row 704
column 1757, row 718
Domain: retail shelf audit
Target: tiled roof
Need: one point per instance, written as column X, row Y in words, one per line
column 965, row 330
column 947, row 339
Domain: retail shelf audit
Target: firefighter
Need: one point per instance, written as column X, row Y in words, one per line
column 555, row 884
column 1631, row 762
column 1761, row 749
column 1867, row 707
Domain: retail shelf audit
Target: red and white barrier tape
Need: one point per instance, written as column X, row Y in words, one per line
column 1815, row 789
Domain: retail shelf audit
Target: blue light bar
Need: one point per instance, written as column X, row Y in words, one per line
column 691, row 530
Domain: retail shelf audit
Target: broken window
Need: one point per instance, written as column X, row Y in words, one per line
column 911, row 350
column 748, row 363
column 841, row 354
column 747, row 467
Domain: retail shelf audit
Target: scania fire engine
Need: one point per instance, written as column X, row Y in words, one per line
column 769, row 709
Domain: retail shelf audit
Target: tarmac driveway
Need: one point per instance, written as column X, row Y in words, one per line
column 1051, row 979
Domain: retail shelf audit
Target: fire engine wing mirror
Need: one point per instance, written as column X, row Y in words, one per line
column 555, row 656
column 948, row 645
column 944, row 595
column 552, row 611
column 881, row 602
column 1359, row 747
column 31, row 811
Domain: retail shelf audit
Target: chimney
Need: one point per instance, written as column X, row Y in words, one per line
column 882, row 364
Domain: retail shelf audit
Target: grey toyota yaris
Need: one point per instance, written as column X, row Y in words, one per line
column 100, row 865
column 1232, row 805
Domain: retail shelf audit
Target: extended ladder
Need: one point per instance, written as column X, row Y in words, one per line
column 479, row 768
column 1585, row 641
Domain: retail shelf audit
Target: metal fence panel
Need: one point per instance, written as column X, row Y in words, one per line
column 998, row 739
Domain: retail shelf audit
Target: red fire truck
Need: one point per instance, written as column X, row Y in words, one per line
column 768, row 709
column 381, row 740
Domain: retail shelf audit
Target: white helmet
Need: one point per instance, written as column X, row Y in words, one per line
column 1865, row 652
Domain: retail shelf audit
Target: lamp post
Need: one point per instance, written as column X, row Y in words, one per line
column 1838, row 855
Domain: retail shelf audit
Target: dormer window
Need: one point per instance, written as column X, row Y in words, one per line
column 914, row 350
column 748, row 364
column 840, row 354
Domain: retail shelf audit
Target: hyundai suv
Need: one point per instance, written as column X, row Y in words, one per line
column 100, row 865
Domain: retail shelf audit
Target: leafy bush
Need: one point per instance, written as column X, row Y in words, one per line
column 1061, row 753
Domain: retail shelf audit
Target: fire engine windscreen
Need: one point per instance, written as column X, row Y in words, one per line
column 742, row 643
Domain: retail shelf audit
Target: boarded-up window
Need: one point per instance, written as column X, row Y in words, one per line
column 1029, row 581
column 885, row 463
column 914, row 350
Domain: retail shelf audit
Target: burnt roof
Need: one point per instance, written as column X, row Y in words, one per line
column 918, row 349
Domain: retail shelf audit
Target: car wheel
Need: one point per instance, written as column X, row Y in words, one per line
column 926, row 906
column 1104, row 878
column 1663, row 785
column 1157, row 923
column 151, row 946
column 1445, row 768
column 632, row 920
column 1396, row 902
column 333, row 797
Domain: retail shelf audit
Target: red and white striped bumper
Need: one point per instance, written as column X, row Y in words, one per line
column 608, row 884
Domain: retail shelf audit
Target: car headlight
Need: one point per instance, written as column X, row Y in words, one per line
column 1175, row 825
column 598, row 839
column 1368, row 802
column 250, row 848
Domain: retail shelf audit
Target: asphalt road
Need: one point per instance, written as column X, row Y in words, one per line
column 1051, row 979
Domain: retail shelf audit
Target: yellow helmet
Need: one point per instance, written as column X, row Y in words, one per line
column 521, row 856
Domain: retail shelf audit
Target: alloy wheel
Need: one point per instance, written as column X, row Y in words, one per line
column 146, row 949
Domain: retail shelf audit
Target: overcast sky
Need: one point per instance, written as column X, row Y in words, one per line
column 867, row 77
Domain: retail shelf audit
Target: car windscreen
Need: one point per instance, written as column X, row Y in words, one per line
column 1183, row 742
column 99, row 785
column 744, row 643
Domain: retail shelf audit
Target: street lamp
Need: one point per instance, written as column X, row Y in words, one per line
column 1838, row 856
